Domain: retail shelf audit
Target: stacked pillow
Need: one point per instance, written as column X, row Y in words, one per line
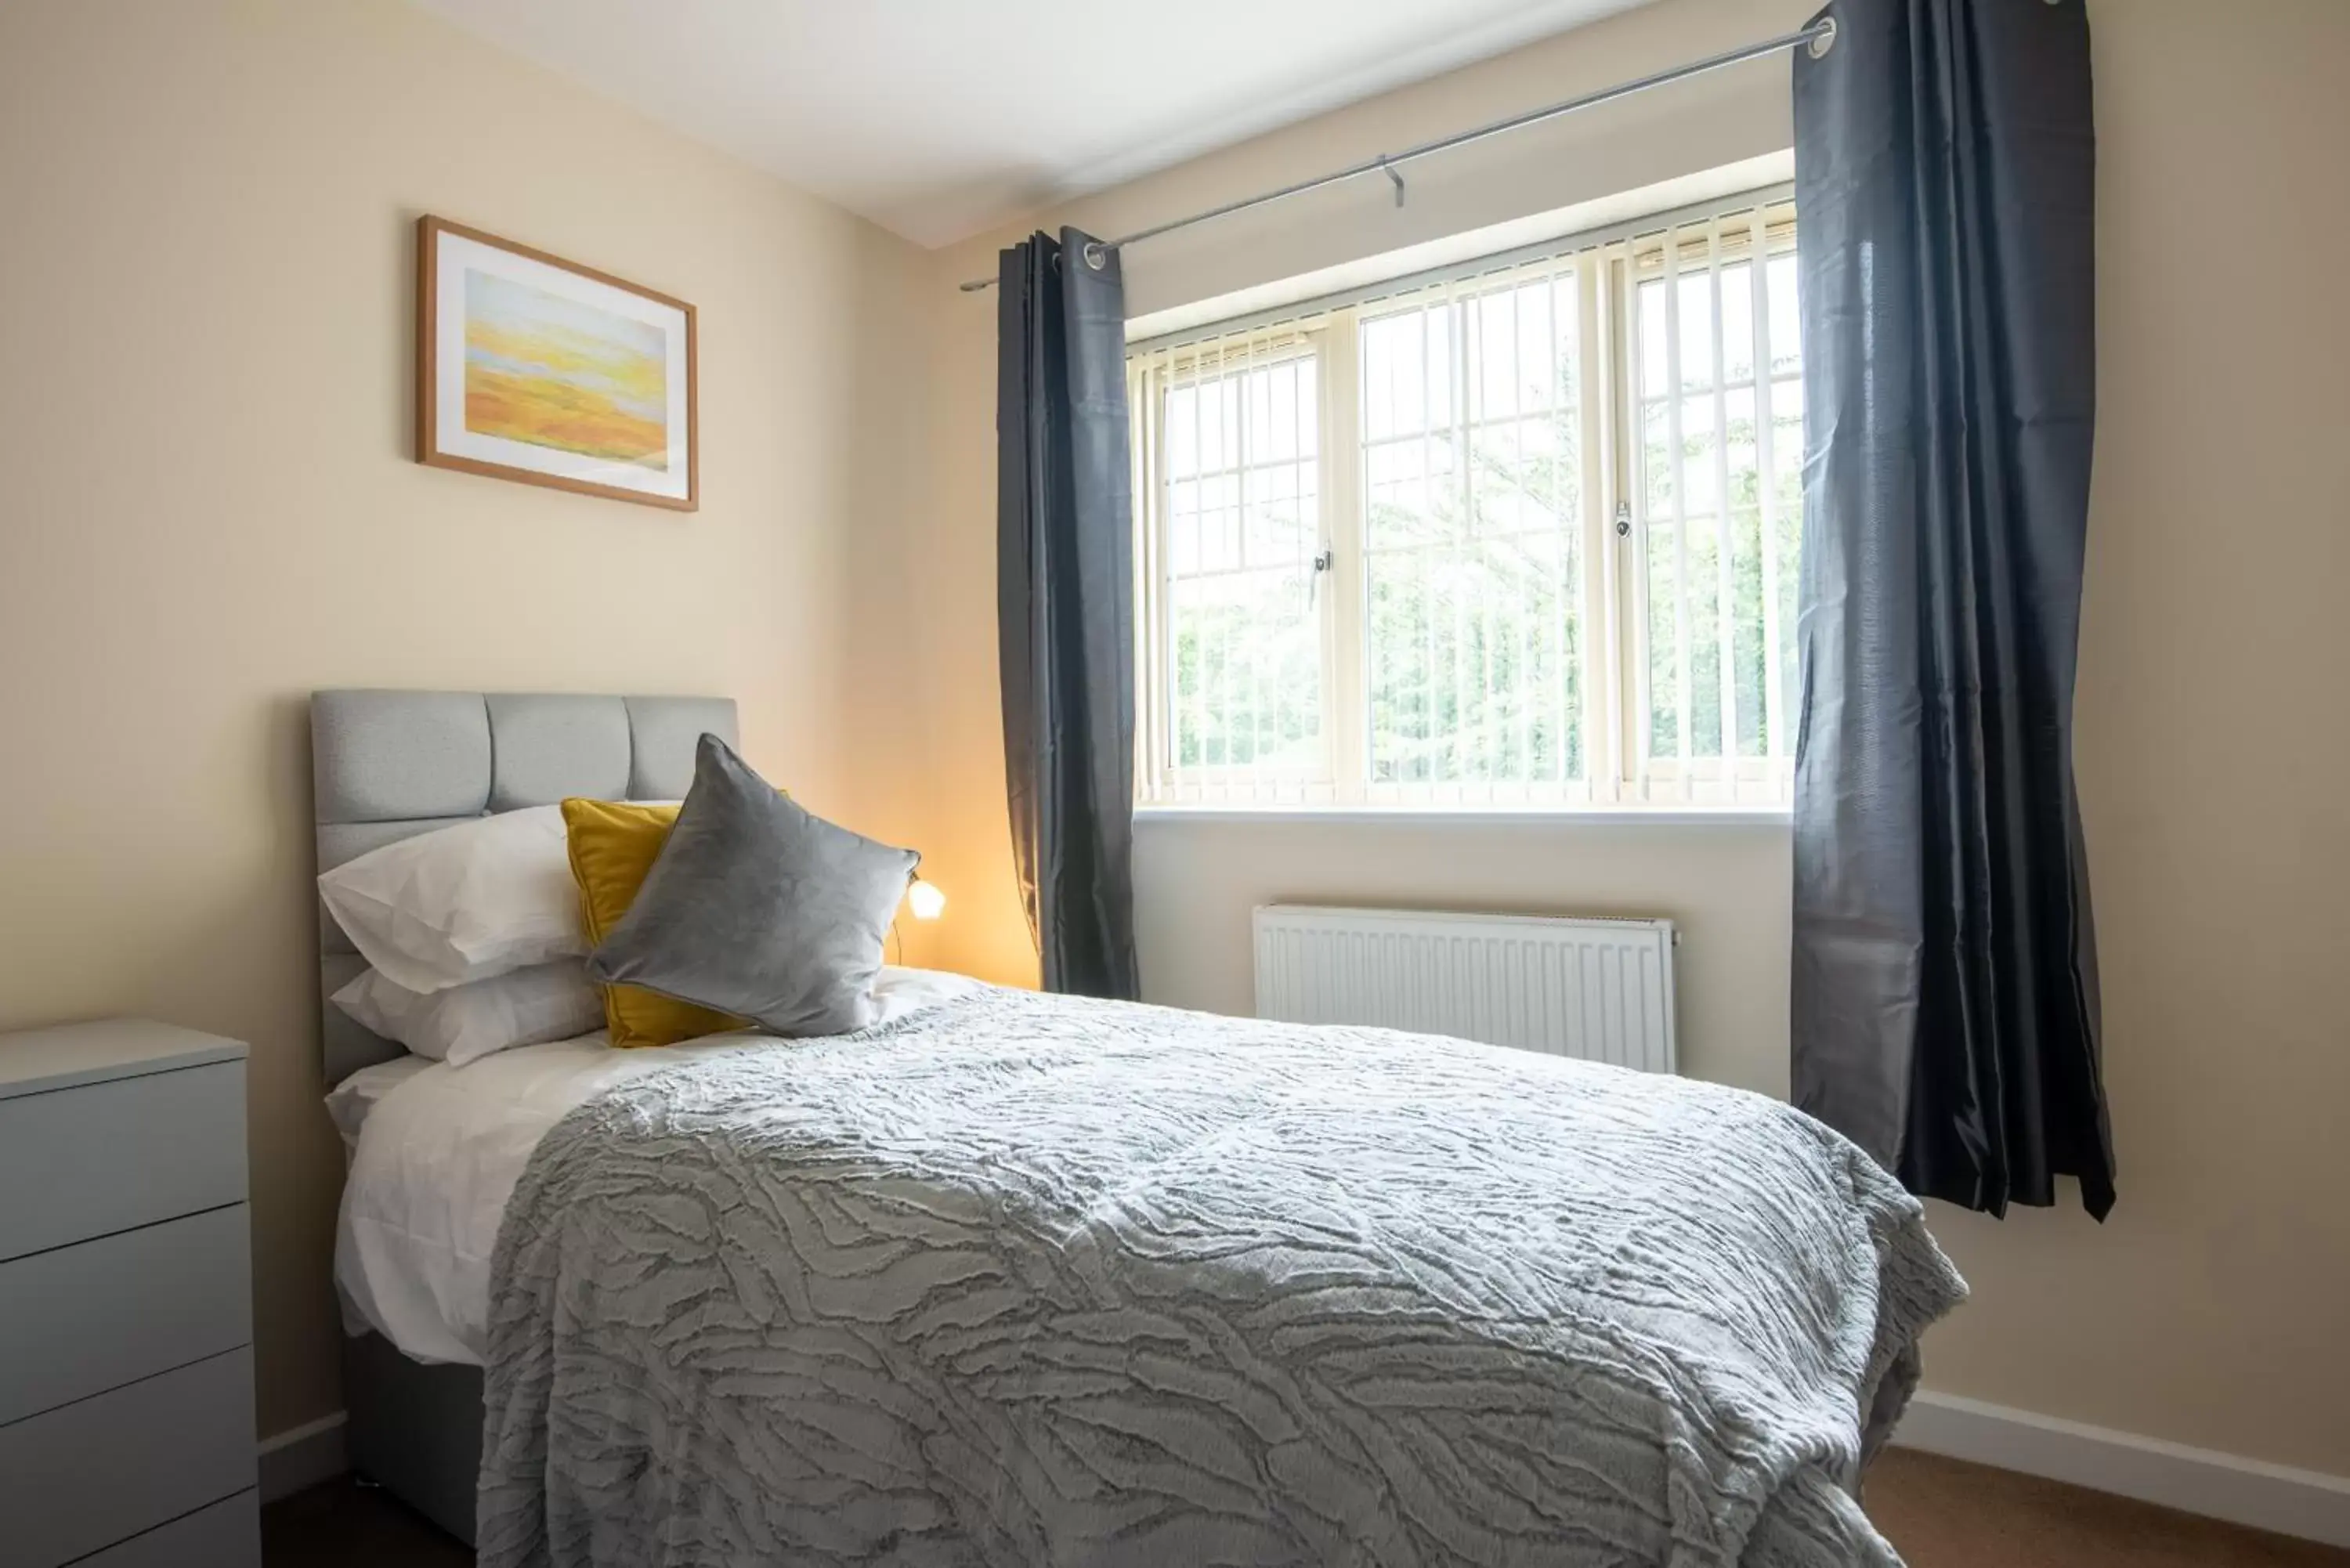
column 466, row 1023
column 734, row 909
column 471, row 902
column 471, row 937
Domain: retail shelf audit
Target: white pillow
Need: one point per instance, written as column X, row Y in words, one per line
column 466, row 1023
column 465, row 903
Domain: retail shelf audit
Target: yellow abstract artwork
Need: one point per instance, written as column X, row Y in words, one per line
column 552, row 372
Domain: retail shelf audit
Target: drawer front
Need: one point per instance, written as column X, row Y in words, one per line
column 225, row 1536
column 82, row 1162
column 81, row 1319
column 99, row 1472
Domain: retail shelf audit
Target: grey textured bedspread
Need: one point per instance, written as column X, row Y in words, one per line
column 1031, row 1280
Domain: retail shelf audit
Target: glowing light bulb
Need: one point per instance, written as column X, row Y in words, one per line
column 925, row 901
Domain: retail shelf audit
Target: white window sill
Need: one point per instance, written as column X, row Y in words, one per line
column 1587, row 817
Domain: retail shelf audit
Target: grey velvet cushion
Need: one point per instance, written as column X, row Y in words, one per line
column 759, row 907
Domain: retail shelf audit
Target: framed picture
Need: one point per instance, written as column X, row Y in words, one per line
column 531, row 367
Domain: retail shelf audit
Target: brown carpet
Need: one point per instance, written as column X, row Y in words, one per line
column 1939, row 1514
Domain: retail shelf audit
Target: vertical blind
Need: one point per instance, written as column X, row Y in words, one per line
column 1522, row 536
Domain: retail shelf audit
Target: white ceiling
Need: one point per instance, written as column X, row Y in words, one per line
column 938, row 118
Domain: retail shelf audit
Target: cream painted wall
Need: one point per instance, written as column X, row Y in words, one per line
column 2209, row 1310
column 207, row 506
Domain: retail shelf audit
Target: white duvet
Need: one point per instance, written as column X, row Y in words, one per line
column 437, row 1150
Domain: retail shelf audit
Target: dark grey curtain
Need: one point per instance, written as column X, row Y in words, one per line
column 1064, row 605
column 1945, row 993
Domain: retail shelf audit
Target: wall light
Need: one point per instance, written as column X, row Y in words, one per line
column 924, row 899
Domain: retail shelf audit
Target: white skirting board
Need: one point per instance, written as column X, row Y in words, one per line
column 2289, row 1501
column 301, row 1457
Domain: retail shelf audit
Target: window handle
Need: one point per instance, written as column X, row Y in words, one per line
column 1323, row 561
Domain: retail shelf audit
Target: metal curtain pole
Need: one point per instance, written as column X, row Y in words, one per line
column 1820, row 36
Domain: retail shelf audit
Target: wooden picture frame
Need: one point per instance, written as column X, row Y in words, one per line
column 540, row 370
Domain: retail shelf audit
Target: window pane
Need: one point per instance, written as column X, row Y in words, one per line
column 1472, row 577
column 1698, row 476
column 1385, row 348
column 1705, row 633
column 1656, row 457
column 1707, row 560
column 1414, row 492
column 1746, row 556
column 1665, row 633
column 1746, row 536
column 1738, row 322
column 1494, row 329
column 1219, row 522
column 1787, row 493
column 1786, row 319
column 1652, row 336
column 1696, row 325
column 1247, row 669
column 1242, row 511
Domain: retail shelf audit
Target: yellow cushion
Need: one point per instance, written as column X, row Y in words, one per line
column 613, row 845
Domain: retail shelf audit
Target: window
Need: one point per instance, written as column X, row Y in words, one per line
column 1526, row 536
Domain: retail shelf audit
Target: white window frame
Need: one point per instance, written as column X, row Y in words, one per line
column 1621, row 775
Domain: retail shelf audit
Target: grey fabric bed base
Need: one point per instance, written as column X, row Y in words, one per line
column 415, row 1431
column 387, row 766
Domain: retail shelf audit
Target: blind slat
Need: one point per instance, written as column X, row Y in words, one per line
column 1766, row 499
column 1426, row 603
column 1226, row 453
column 1253, row 672
column 1634, row 488
column 1684, row 705
column 1456, row 374
column 1724, row 535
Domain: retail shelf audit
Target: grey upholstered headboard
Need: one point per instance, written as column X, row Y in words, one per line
column 387, row 765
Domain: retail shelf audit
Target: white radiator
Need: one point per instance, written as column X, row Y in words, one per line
column 1597, row 988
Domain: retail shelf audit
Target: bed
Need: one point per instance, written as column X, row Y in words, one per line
column 389, row 765
column 1010, row 1278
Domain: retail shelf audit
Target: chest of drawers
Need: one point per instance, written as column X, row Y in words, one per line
column 126, row 1315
